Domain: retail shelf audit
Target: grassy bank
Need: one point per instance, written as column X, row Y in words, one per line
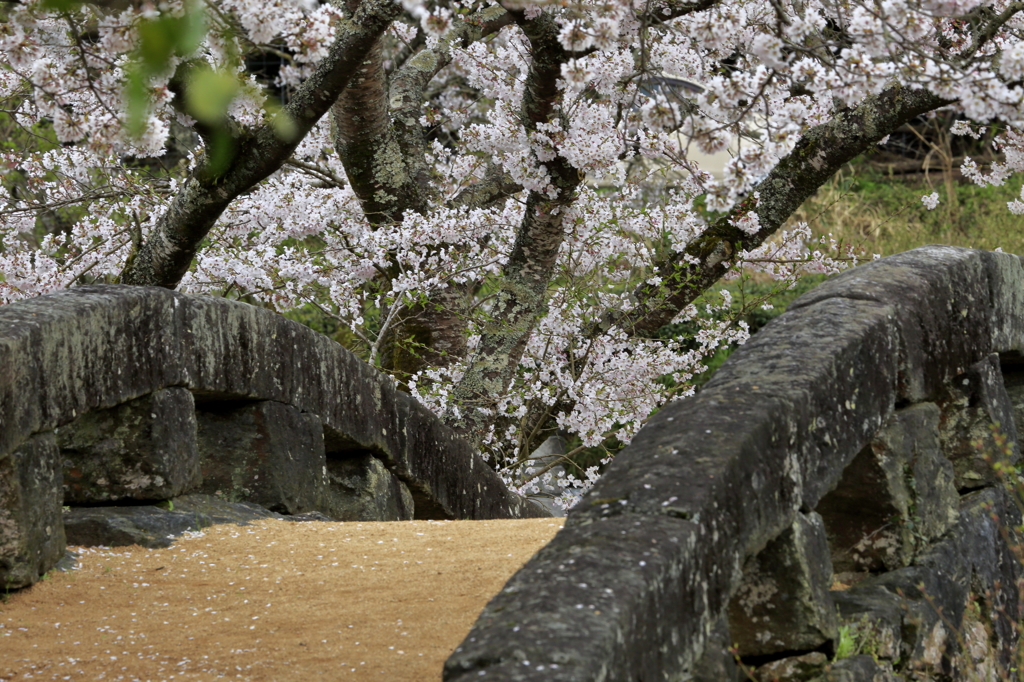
column 882, row 213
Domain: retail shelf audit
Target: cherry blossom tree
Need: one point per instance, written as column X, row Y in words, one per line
column 502, row 202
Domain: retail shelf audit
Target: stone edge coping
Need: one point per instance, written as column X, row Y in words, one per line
column 711, row 479
column 92, row 347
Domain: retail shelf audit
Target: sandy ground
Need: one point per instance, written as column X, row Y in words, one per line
column 269, row 601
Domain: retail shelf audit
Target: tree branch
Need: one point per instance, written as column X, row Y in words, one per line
column 522, row 295
column 167, row 254
column 375, row 163
column 666, row 10
column 496, row 186
column 410, row 82
column 817, row 156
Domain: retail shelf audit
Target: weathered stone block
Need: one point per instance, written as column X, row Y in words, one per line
column 979, row 655
column 988, row 533
column 94, row 347
column 930, row 616
column 158, row 526
column 612, row 600
column 142, row 525
column 944, row 310
column 362, row 489
column 860, row 668
column 144, row 449
column 978, row 427
column 765, row 437
column 81, row 349
column 894, row 497
column 783, row 602
column 1006, row 286
column 31, row 529
column 933, row 598
column 793, row 668
column 245, row 352
column 873, row 620
column 767, row 422
column 718, row 662
column 267, row 453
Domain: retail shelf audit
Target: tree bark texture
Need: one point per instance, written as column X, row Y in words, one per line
column 522, row 296
column 384, row 148
column 165, row 257
column 374, row 162
column 817, row 157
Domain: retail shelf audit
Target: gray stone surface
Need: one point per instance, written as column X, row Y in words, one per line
column 860, row 668
column 947, row 309
column 208, row 510
column 895, row 496
column 83, row 349
column 552, row 448
column 725, row 472
column 360, row 488
column 922, row 617
column 933, row 598
column 978, row 428
column 144, row 449
column 988, row 519
column 718, row 662
column 157, row 526
column 143, row 525
column 31, row 531
column 68, row 562
column 267, row 453
column 783, row 603
column 95, row 347
column 793, row 668
column 1006, row 288
column 602, row 601
column 873, row 619
column 979, row 655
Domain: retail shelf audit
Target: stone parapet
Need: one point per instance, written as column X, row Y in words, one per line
column 635, row 584
column 67, row 355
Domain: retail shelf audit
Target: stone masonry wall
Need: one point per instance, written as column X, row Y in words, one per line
column 115, row 395
column 825, row 504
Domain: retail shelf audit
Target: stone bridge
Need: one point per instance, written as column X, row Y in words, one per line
column 838, row 502
column 831, row 490
column 117, row 395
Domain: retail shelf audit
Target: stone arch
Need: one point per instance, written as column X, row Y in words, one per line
column 98, row 347
column 718, row 488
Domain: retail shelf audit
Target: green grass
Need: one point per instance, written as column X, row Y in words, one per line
column 884, row 214
column 877, row 214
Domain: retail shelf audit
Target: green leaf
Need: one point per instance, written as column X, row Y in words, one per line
column 208, row 95
column 166, row 36
column 137, row 92
column 191, row 31
column 285, row 126
column 156, row 43
column 221, row 152
column 282, row 123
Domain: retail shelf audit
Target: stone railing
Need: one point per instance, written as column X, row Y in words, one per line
column 120, row 395
column 827, row 504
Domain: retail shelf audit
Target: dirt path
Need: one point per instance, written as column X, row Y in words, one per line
column 269, row 601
